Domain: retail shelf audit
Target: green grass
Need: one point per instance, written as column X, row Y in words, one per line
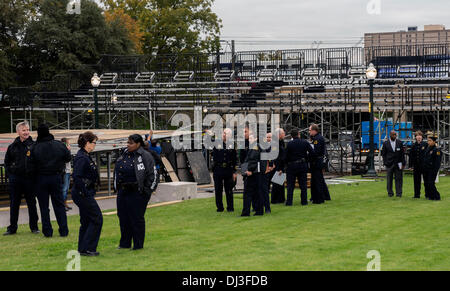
column 410, row 235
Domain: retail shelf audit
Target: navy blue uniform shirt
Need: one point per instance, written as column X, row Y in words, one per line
column 225, row 158
column 298, row 149
column 125, row 171
column 85, row 172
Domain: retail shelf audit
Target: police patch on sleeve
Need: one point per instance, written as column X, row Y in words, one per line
column 438, row 153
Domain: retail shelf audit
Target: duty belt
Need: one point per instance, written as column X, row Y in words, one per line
column 302, row 160
column 129, row 187
column 223, row 165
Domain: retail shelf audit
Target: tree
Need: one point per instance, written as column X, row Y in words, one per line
column 119, row 18
column 173, row 26
column 14, row 16
column 56, row 42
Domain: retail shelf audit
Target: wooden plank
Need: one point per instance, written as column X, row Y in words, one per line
column 170, row 170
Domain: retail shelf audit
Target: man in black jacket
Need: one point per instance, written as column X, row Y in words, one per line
column 416, row 156
column 252, row 179
column 393, row 153
column 49, row 157
column 19, row 170
column 319, row 188
column 297, row 152
column 224, row 172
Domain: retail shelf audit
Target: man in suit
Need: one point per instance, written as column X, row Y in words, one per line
column 393, row 153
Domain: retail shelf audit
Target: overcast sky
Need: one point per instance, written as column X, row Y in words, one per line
column 277, row 24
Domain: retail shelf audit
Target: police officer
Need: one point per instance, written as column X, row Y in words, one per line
column 432, row 163
column 319, row 189
column 243, row 152
column 49, row 157
column 85, row 177
column 135, row 179
column 268, row 173
column 19, row 171
column 416, row 156
column 297, row 153
column 224, row 171
column 252, row 178
column 278, row 195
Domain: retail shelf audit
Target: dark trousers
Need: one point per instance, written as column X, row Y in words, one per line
column 131, row 207
column 265, row 186
column 278, row 195
column 223, row 178
column 318, row 187
column 430, row 187
column 91, row 221
column 297, row 171
column 391, row 172
column 418, row 174
column 252, row 195
column 22, row 187
column 46, row 187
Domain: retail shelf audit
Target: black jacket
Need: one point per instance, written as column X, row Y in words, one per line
column 85, row 174
column 281, row 159
column 145, row 170
column 253, row 158
column 432, row 159
column 224, row 158
column 393, row 156
column 298, row 149
column 319, row 153
column 416, row 154
column 18, row 158
column 49, row 156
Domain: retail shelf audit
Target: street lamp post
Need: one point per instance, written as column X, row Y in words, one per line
column 95, row 82
column 371, row 74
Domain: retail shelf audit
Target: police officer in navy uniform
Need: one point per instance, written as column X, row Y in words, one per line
column 319, row 189
column 432, row 164
column 19, row 171
column 252, row 179
column 135, row 178
column 85, row 178
column 49, row 157
column 268, row 173
column 297, row 154
column 278, row 195
column 416, row 156
column 224, row 171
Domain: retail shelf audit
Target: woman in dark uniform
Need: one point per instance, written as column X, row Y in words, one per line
column 135, row 179
column 85, row 177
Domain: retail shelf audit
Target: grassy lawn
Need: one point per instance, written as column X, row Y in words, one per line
column 410, row 235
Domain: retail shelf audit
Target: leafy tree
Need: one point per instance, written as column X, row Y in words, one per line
column 14, row 16
column 56, row 42
column 120, row 18
column 173, row 26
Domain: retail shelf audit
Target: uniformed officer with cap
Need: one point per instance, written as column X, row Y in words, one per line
column 224, row 171
column 432, row 164
column 416, row 156
column 297, row 153
column 319, row 189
